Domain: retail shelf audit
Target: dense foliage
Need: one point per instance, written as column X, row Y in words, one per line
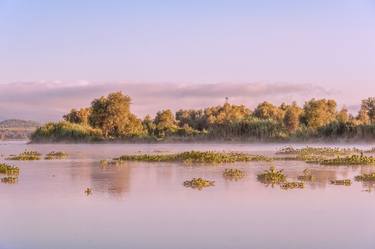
column 110, row 118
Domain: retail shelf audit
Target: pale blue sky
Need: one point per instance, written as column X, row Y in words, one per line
column 328, row 44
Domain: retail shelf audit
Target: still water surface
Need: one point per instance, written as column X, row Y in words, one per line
column 145, row 205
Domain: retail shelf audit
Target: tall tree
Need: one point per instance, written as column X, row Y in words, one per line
column 165, row 123
column 318, row 113
column 267, row 110
column 112, row 115
column 80, row 116
column 368, row 108
column 292, row 117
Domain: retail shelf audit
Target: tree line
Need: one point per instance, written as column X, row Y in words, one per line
column 109, row 118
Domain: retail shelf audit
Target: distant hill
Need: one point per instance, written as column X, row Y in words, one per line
column 18, row 123
column 17, row 129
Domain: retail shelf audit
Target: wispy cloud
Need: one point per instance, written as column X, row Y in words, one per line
column 49, row 100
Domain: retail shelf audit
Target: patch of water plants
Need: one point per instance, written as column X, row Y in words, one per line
column 9, row 180
column 56, row 155
column 349, row 160
column 345, row 182
column 292, row 185
column 272, row 175
column 198, row 183
column 366, row 177
column 9, row 169
column 196, row 157
column 320, row 151
column 27, row 155
column 234, row 174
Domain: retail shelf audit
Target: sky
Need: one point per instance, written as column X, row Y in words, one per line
column 58, row 55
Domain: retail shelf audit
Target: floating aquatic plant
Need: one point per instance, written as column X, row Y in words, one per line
column 350, row 160
column 292, row 185
column 366, row 177
column 345, row 182
column 321, row 151
column 9, row 169
column 196, row 157
column 272, row 175
column 199, row 183
column 26, row 156
column 234, row 174
column 55, row 155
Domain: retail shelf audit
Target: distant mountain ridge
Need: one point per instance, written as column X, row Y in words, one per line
column 18, row 123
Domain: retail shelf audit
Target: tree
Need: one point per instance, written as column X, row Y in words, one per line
column 80, row 116
column 292, row 117
column 112, row 115
column 343, row 115
column 148, row 125
column 165, row 123
column 318, row 113
column 267, row 110
column 368, row 108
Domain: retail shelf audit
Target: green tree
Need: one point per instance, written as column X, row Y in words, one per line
column 112, row 115
column 292, row 117
column 267, row 110
column 343, row 115
column 318, row 113
column 368, row 108
column 80, row 116
column 148, row 125
column 165, row 122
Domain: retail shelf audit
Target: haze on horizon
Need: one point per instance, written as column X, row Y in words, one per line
column 57, row 55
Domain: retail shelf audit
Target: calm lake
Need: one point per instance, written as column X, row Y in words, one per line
column 142, row 205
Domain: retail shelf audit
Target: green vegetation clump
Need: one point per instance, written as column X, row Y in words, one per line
column 65, row 132
column 9, row 180
column 109, row 118
column 55, row 155
column 272, row 175
column 320, row 151
column 195, row 157
column 234, row 174
column 345, row 182
column 8, row 169
column 307, row 176
column 366, row 177
column 292, row 185
column 27, row 155
column 199, row 183
column 349, row 160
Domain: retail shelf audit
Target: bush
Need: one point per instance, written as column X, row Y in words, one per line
column 66, row 131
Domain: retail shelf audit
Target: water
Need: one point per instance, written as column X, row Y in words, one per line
column 145, row 205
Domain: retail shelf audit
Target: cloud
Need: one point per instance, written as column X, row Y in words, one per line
column 49, row 100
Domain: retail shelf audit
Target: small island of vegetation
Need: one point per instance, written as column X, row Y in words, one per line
column 109, row 119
